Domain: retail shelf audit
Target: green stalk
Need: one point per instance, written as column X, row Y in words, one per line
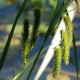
column 76, row 56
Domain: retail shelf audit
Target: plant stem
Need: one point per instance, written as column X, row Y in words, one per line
column 76, row 58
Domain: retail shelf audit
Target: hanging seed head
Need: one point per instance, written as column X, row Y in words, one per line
column 34, row 35
column 69, row 29
column 25, row 49
column 57, row 61
column 25, row 46
column 65, row 46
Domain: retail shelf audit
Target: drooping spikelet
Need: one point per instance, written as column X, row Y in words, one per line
column 57, row 61
column 65, row 46
column 25, row 45
column 69, row 28
column 37, row 14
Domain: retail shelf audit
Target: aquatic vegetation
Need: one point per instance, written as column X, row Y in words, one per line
column 25, row 44
column 37, row 14
column 69, row 28
column 65, row 46
column 57, row 61
column 59, row 10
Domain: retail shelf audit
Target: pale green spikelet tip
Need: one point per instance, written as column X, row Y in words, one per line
column 57, row 61
column 65, row 47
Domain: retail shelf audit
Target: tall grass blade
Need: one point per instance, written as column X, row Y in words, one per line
column 76, row 58
column 4, row 54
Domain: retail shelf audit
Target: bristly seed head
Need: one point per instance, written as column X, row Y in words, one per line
column 69, row 29
column 57, row 61
column 65, row 46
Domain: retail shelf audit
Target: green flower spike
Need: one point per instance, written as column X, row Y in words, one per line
column 34, row 35
column 25, row 45
column 25, row 50
column 69, row 29
column 65, row 46
column 57, row 61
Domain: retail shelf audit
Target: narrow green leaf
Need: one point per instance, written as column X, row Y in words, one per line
column 4, row 54
column 76, row 58
column 51, row 27
column 26, row 67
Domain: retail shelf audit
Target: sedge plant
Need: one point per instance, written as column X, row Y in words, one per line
column 60, row 8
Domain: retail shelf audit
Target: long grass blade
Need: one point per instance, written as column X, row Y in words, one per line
column 76, row 56
column 4, row 54
column 51, row 27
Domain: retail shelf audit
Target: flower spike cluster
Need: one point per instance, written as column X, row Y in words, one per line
column 27, row 44
column 63, row 51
